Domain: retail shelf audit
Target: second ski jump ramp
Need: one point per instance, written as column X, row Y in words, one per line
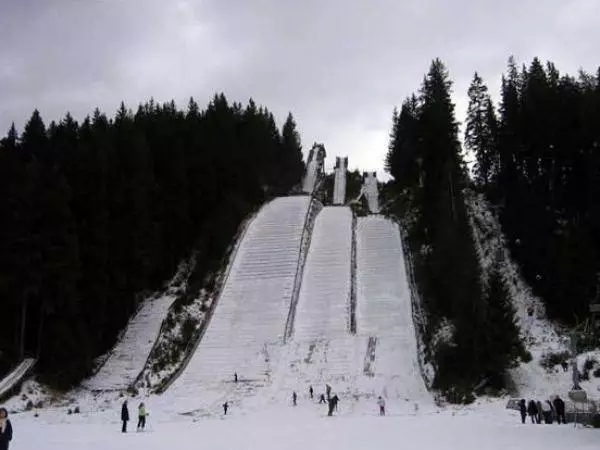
column 248, row 325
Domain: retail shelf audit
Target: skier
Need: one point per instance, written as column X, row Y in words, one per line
column 523, row 410
column 559, row 407
column 6, row 431
column 564, row 365
column 532, row 411
column 335, row 399
column 294, row 398
column 235, row 378
column 141, row 417
column 381, row 403
column 124, row 416
column 310, row 391
column 225, row 407
column 322, row 399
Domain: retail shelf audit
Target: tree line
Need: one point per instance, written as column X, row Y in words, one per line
column 538, row 162
column 471, row 335
column 95, row 215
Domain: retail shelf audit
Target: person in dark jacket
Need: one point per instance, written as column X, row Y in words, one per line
column 6, row 431
column 559, row 409
column 225, row 408
column 294, row 398
column 523, row 410
column 322, row 399
column 311, row 391
column 532, row 411
column 124, row 416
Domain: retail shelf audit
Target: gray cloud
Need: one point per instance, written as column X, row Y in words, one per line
column 339, row 66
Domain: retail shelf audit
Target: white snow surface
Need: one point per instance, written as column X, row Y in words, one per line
column 487, row 425
column 384, row 312
column 129, row 356
column 370, row 189
column 324, row 302
column 246, row 332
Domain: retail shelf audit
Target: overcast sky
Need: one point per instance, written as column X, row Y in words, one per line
column 340, row 66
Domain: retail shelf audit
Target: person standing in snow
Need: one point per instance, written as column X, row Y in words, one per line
column 6, row 431
column 381, row 403
column 225, row 407
column 310, row 391
column 335, row 399
column 141, row 417
column 546, row 411
column 235, row 378
column 322, row 399
column 540, row 411
column 523, row 410
column 559, row 408
column 532, row 411
column 328, row 391
column 294, row 398
column 124, row 416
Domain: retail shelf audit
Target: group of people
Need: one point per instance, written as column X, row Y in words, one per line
column 548, row 411
column 142, row 414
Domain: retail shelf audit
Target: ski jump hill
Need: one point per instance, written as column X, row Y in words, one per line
column 303, row 277
column 313, row 296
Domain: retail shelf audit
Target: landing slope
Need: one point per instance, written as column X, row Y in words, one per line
column 129, row 355
column 384, row 312
column 247, row 328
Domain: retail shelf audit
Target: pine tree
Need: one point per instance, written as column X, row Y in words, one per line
column 480, row 128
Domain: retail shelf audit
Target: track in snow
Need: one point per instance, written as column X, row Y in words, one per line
column 384, row 312
column 246, row 332
column 129, row 356
column 13, row 378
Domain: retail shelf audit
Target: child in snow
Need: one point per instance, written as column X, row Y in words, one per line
column 6, row 431
column 381, row 403
column 141, row 417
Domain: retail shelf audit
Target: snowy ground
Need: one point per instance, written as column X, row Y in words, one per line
column 486, row 426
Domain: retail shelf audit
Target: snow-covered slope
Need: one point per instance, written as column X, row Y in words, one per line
column 323, row 306
column 16, row 376
column 129, row 356
column 384, row 312
column 246, row 331
column 322, row 350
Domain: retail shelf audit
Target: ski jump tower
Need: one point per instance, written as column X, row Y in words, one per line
column 339, row 180
column 314, row 167
column 371, row 191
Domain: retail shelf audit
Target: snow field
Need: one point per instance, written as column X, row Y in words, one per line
column 129, row 355
column 384, row 313
column 307, row 427
column 246, row 331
